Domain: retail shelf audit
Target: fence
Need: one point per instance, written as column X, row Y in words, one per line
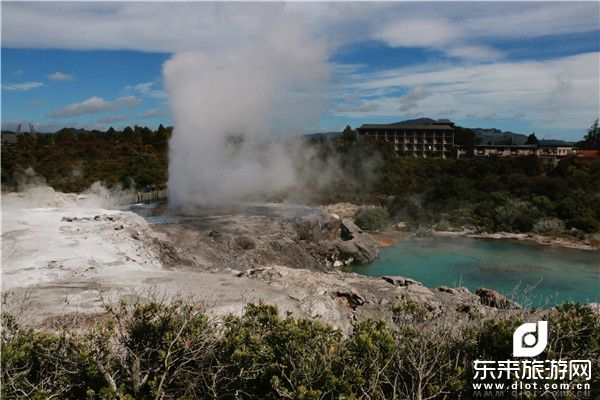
column 143, row 197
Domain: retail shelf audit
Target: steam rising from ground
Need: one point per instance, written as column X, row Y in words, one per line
column 229, row 108
column 34, row 192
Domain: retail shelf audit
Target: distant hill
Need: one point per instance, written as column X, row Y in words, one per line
column 496, row 136
column 418, row 121
column 556, row 142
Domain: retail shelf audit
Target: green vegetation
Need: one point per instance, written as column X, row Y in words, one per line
column 513, row 194
column 591, row 140
column 520, row 194
column 71, row 161
column 175, row 351
column 371, row 219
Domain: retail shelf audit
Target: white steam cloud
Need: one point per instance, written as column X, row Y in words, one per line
column 229, row 106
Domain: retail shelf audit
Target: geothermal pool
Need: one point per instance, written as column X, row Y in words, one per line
column 510, row 267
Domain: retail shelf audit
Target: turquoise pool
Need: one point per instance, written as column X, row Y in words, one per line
column 511, row 267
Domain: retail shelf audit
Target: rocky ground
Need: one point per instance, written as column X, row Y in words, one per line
column 67, row 258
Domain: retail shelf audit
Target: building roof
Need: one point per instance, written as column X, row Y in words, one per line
column 512, row 146
column 408, row 127
column 589, row 153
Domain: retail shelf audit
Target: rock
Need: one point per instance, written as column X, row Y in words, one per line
column 401, row 226
column 349, row 229
column 253, row 271
column 317, row 227
column 354, row 299
column 445, row 289
column 215, row 234
column 245, row 242
column 494, row 299
column 400, row 281
column 357, row 244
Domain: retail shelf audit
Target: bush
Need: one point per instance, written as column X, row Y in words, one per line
column 514, row 216
column 174, row 351
column 371, row 219
column 548, row 226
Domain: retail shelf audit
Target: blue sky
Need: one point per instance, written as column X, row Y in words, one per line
column 514, row 66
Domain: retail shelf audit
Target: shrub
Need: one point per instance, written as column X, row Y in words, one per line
column 371, row 219
column 173, row 351
column 548, row 226
column 515, row 216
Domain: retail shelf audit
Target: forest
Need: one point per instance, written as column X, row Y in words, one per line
column 71, row 161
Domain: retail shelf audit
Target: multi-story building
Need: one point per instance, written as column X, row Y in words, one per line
column 549, row 153
column 414, row 140
column 505, row 150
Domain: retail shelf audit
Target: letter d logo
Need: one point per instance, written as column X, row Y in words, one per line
column 525, row 344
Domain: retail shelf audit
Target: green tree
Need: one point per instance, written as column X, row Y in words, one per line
column 532, row 139
column 592, row 138
column 466, row 138
column 348, row 135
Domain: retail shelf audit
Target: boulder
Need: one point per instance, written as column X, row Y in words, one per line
column 317, row 227
column 492, row 298
column 350, row 230
column 355, row 243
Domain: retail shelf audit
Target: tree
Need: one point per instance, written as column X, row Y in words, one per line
column 532, row 139
column 348, row 135
column 466, row 138
column 592, row 139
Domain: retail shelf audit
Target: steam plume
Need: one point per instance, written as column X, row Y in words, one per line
column 227, row 108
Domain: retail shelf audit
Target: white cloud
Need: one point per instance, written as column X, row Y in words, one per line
column 363, row 107
column 60, row 76
column 146, row 89
column 203, row 25
column 411, row 100
column 154, row 112
column 112, row 119
column 460, row 34
column 416, row 32
column 536, row 20
column 95, row 105
column 22, row 86
column 434, row 33
column 131, row 25
column 471, row 52
column 564, row 92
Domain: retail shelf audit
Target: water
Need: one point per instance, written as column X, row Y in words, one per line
column 560, row 274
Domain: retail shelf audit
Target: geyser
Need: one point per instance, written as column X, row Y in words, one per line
column 230, row 106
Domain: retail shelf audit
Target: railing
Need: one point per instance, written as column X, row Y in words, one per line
column 142, row 197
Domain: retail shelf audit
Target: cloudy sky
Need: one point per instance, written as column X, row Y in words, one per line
column 514, row 66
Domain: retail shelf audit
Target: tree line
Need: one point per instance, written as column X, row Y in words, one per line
column 515, row 194
column 71, row 161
